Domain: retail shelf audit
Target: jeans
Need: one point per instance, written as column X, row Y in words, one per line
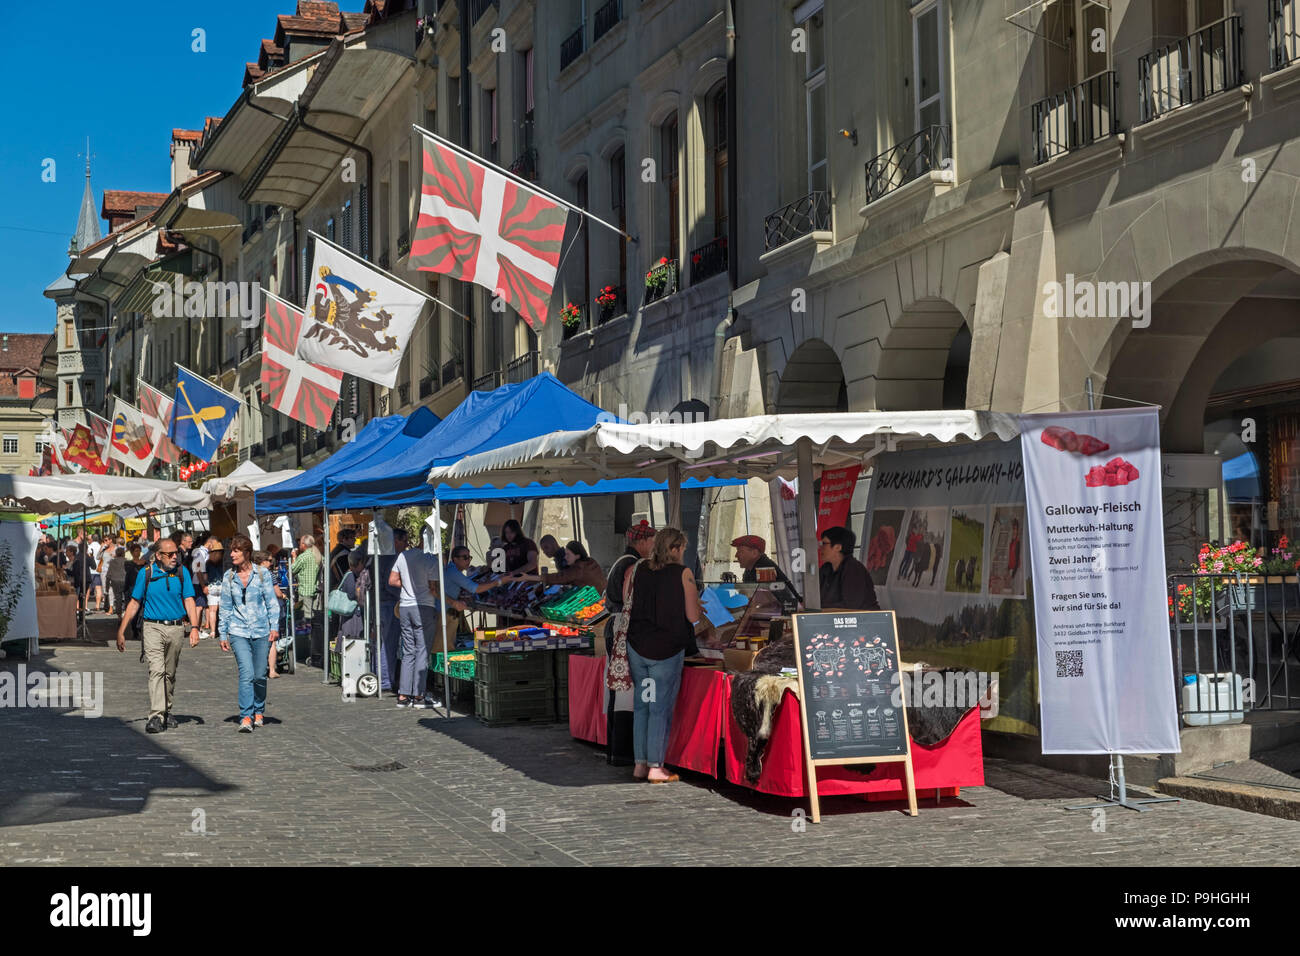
column 652, row 719
column 417, row 627
column 251, row 654
column 391, row 629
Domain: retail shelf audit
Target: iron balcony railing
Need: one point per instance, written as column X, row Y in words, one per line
column 1076, row 117
column 662, row 282
column 479, row 7
column 403, row 244
column 384, row 261
column 272, row 443
column 1190, row 69
column 520, row 369
column 252, row 229
column 452, row 369
column 911, row 159
column 613, row 305
column 571, row 48
column 525, row 164
column 250, row 349
column 811, row 213
column 1283, row 33
column 1239, row 637
column 427, row 386
column 709, row 260
column 606, row 19
column 403, row 393
column 488, row 381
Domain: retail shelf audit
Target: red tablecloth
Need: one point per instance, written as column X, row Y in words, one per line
column 702, row 721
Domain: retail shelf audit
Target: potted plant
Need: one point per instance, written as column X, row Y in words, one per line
column 1197, row 601
column 657, row 278
column 571, row 316
column 607, row 300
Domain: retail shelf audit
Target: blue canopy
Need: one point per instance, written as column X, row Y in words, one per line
column 483, row 421
column 379, row 440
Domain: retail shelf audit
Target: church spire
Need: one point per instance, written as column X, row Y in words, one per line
column 87, row 233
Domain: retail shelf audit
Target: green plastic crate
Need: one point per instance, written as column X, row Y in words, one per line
column 532, row 703
column 515, row 668
column 460, row 670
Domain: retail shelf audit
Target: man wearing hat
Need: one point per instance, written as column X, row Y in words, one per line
column 751, row 554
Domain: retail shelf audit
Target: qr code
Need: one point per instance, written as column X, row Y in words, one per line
column 1069, row 663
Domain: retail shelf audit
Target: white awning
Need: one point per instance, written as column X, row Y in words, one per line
column 99, row 492
column 763, row 446
column 244, row 480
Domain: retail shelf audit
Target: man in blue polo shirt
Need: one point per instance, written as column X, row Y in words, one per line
column 165, row 591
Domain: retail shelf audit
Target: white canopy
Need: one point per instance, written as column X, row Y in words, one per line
column 245, row 480
column 66, row 492
column 763, row 446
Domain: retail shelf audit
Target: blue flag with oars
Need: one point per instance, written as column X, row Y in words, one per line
column 201, row 414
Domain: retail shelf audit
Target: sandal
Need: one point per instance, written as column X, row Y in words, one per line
column 671, row 778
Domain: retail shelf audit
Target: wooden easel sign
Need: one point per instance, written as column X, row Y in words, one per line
column 848, row 676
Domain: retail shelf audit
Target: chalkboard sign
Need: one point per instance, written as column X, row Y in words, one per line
column 850, row 692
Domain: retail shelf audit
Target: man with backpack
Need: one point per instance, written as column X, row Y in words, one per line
column 166, row 593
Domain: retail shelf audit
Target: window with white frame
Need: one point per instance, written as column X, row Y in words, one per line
column 10, row 444
column 929, row 64
column 810, row 18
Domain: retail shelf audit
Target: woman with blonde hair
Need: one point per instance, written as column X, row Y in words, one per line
column 663, row 605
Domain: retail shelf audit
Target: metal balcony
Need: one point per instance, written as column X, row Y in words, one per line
column 811, row 213
column 606, row 19
column 709, row 260
column 903, row 162
column 572, row 47
column 520, row 369
column 427, row 386
column 1283, row 33
column 1076, row 117
column 525, row 165
column 403, row 393
column 1190, row 69
column 488, row 381
column 614, row 306
column 662, row 282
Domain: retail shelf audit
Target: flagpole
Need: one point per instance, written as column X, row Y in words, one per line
column 370, row 265
column 521, row 181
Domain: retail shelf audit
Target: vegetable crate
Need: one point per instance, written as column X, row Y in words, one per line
column 521, row 667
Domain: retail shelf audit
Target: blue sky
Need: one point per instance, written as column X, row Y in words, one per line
column 123, row 74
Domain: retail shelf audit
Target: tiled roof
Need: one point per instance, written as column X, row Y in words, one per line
column 354, row 21
column 123, row 202
column 317, row 9
column 190, row 135
column 24, row 352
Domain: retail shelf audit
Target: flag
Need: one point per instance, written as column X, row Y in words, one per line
column 477, row 225
column 358, row 320
column 129, row 441
column 83, row 450
column 305, row 392
column 157, row 410
column 100, row 428
column 201, row 414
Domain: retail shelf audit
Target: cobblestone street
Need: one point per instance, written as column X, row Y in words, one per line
column 301, row 791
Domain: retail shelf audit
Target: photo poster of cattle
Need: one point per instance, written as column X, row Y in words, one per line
column 947, row 549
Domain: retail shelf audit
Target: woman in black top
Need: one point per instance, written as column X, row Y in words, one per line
column 664, row 604
column 521, row 552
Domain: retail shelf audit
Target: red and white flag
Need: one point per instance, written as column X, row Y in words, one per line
column 101, row 428
column 305, row 392
column 477, row 225
column 157, row 410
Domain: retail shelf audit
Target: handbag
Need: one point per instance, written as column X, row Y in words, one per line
column 339, row 603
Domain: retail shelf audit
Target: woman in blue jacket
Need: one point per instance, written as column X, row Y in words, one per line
column 249, row 623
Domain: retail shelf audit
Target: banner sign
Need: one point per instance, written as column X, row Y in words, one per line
column 1095, row 515
column 836, row 497
column 945, row 545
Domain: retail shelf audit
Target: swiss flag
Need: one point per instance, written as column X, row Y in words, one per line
column 475, row 224
column 301, row 390
column 157, row 411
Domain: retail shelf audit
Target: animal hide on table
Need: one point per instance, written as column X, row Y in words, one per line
column 756, row 693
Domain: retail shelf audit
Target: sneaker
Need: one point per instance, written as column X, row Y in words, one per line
column 246, row 725
column 420, row 704
column 258, row 720
column 169, row 721
column 204, row 634
column 405, row 703
column 432, row 703
column 155, row 725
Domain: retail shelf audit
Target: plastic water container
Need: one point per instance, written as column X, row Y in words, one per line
column 1215, row 693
